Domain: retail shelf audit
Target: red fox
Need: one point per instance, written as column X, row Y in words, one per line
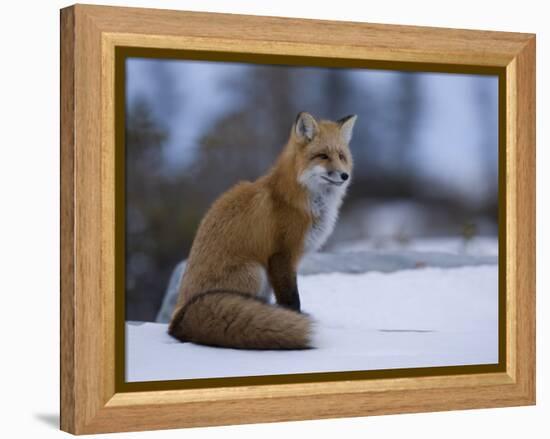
column 251, row 241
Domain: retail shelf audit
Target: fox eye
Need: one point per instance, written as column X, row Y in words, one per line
column 342, row 157
column 321, row 156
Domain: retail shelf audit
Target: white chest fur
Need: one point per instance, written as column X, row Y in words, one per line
column 324, row 208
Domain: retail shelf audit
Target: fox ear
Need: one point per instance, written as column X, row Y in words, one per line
column 346, row 126
column 305, row 126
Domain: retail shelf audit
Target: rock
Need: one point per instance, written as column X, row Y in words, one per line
column 171, row 294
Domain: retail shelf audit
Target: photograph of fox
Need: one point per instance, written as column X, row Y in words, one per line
column 424, row 150
column 250, row 242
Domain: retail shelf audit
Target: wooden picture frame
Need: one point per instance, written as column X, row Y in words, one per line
column 92, row 398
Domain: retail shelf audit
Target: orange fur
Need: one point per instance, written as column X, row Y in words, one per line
column 255, row 228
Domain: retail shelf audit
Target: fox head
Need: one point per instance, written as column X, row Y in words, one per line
column 323, row 158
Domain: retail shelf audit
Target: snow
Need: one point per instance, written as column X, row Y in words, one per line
column 410, row 318
column 477, row 246
column 383, row 253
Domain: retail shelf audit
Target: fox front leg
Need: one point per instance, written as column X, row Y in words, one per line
column 282, row 276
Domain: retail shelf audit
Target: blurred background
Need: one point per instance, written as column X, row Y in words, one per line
column 425, row 150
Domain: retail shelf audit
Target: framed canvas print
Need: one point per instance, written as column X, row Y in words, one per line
column 270, row 219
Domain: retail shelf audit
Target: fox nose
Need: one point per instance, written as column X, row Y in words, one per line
column 344, row 176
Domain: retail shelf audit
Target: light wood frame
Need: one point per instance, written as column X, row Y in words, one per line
column 89, row 38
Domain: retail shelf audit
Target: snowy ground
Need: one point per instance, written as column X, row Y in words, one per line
column 410, row 318
column 369, row 255
column 478, row 246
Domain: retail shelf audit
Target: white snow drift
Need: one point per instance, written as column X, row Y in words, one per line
column 405, row 319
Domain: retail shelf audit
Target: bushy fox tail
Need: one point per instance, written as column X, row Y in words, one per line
column 238, row 320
